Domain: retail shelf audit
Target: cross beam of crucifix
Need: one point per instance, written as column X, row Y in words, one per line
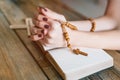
column 28, row 24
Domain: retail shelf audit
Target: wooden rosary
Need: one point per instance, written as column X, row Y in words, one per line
column 72, row 27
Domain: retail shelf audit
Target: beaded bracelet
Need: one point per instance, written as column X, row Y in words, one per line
column 66, row 36
column 93, row 24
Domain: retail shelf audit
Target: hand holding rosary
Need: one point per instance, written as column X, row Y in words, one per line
column 37, row 33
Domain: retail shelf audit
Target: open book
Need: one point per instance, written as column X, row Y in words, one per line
column 72, row 67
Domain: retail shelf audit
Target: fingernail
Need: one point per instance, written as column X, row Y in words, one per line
column 45, row 19
column 46, row 26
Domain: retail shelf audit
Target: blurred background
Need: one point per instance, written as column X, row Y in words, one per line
column 89, row 8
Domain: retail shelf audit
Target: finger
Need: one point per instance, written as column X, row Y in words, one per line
column 51, row 14
column 39, row 9
column 43, row 31
column 39, row 37
column 35, row 30
column 36, row 37
column 38, row 31
column 43, row 22
column 40, row 21
column 44, row 41
column 44, row 25
column 41, row 18
column 35, row 22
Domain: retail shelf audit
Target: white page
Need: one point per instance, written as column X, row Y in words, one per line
column 78, row 66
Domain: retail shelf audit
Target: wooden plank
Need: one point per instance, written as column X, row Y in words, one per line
column 116, row 57
column 86, row 78
column 15, row 61
column 55, row 5
column 109, row 74
column 7, row 69
column 95, row 77
column 35, row 51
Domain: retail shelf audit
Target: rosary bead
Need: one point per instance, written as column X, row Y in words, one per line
column 67, row 39
column 75, row 51
column 68, row 45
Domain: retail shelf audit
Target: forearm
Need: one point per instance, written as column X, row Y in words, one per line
column 104, row 40
column 109, row 21
column 102, row 24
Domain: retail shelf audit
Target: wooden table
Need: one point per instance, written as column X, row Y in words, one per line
column 22, row 59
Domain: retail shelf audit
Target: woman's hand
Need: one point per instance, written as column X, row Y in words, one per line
column 48, row 29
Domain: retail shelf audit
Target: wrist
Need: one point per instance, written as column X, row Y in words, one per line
column 84, row 25
column 77, row 38
column 106, row 23
column 82, row 39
